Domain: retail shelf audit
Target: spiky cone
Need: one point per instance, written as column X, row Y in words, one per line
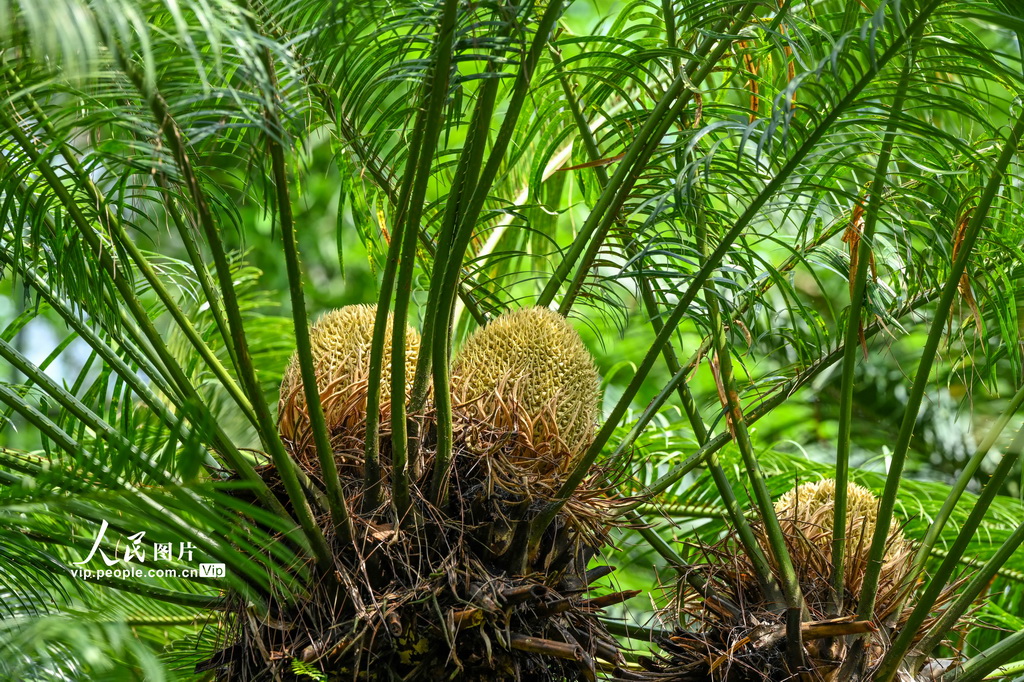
column 457, row 594
column 528, row 380
column 341, row 340
column 732, row 632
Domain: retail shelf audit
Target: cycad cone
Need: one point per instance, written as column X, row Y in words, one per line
column 341, row 341
column 528, row 372
column 808, row 501
column 807, row 512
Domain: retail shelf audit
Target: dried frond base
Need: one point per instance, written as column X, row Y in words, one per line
column 455, row 592
column 732, row 632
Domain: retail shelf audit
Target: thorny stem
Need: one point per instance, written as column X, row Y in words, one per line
column 286, row 467
column 314, row 407
column 776, row 539
column 441, row 341
column 894, row 657
column 436, row 95
column 980, row 581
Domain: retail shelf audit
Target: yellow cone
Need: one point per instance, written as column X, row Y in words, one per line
column 341, row 342
column 529, row 372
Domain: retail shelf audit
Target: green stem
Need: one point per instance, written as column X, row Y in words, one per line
column 116, row 439
column 978, row 666
column 188, row 238
column 314, row 407
column 433, row 117
column 853, row 331
column 866, row 606
column 441, row 342
column 776, row 539
column 725, row 490
column 108, row 354
column 79, row 411
column 47, row 428
column 657, row 543
column 286, row 467
column 693, row 578
column 114, row 361
column 790, row 263
column 420, row 147
column 199, row 601
column 698, row 511
column 192, row 620
column 209, row 359
column 779, row 396
column 434, row 362
column 894, row 658
column 1003, row 672
column 252, row 574
column 372, row 474
column 980, row 581
column 621, row 629
column 668, row 14
column 348, row 134
column 466, row 175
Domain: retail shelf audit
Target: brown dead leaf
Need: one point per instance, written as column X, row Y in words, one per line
column 852, row 236
column 964, row 285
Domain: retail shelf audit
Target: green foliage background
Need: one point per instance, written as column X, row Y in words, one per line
column 784, row 285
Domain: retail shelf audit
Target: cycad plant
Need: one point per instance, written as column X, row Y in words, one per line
column 802, row 216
